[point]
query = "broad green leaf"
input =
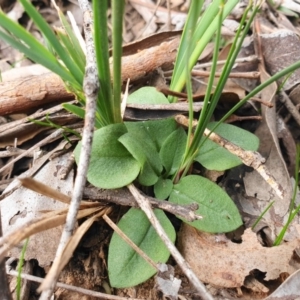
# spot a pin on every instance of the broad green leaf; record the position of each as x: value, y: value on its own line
x: 154, y: 132
x: 214, y: 157
x: 218, y: 210
x: 172, y: 150
x: 163, y: 188
x: 147, y: 95
x: 125, y: 267
x: 146, y: 155
x: 111, y: 165
x: 141, y: 132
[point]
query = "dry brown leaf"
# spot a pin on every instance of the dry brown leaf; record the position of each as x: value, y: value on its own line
x: 24, y: 206
x: 36, y: 248
x: 157, y: 15
x: 289, y: 288
x: 226, y: 264
x: 261, y: 192
x: 50, y: 220
x: 246, y: 51
x: 278, y: 56
x: 23, y: 209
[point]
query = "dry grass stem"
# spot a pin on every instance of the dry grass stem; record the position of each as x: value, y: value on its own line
x: 69, y: 249
x: 129, y: 242
x: 50, y: 138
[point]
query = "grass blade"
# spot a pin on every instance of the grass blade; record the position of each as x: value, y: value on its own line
x: 202, y: 36
x: 185, y: 43
x: 50, y: 36
x: 76, y: 51
x: 102, y: 56
x: 207, y: 107
x: 31, y: 47
x: 235, y: 48
x: 117, y: 15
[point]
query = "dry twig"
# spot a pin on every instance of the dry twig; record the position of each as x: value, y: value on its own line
x: 90, y: 87
x: 290, y: 106
x: 70, y: 287
x: 123, y: 197
x: 50, y: 138
x: 146, y: 207
x: 249, y: 158
x: 129, y: 242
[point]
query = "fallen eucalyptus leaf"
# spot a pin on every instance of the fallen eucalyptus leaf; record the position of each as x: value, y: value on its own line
x: 166, y: 282
x: 289, y: 288
x: 226, y: 264
x: 259, y: 191
x: 24, y: 205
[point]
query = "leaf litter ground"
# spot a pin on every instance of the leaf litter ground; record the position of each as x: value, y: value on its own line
x: 252, y: 271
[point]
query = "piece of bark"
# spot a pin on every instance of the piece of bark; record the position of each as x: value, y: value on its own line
x: 32, y: 92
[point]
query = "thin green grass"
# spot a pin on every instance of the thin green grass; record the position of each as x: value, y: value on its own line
x: 206, y: 27
x: 292, y: 210
x: 19, y: 270
x: 211, y: 100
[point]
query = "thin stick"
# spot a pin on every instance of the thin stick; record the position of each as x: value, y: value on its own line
x: 90, y: 87
x: 146, y: 207
x: 250, y: 58
x: 247, y: 75
x: 220, y: 62
x: 129, y: 242
x: 39, y: 114
x: 249, y: 158
x: 290, y: 106
x: 124, y: 197
x: 52, y: 137
x: 70, y: 287
x: 13, y: 151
